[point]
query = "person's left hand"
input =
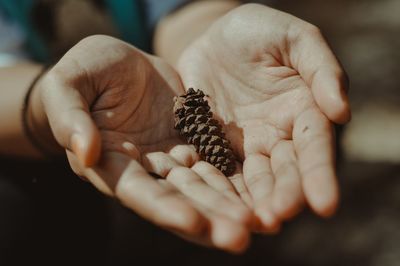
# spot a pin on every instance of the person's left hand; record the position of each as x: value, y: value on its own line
x: 276, y: 86
x: 110, y: 106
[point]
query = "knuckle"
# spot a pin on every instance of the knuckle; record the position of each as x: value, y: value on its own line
x: 312, y: 29
x: 93, y: 39
x: 185, y: 155
x: 249, y: 7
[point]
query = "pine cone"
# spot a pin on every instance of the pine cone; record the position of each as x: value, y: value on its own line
x: 194, y: 121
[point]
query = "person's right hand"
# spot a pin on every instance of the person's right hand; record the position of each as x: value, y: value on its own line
x: 110, y: 106
x: 276, y: 87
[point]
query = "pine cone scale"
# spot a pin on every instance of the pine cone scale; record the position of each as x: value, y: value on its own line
x: 194, y: 121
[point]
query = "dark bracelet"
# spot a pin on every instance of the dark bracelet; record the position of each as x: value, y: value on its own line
x: 43, y: 149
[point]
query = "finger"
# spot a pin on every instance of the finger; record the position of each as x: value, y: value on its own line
x: 159, y: 163
x: 190, y: 184
x: 287, y: 197
x: 70, y: 120
x: 76, y: 166
x: 260, y: 182
x: 229, y: 235
x: 185, y: 155
x: 119, y: 142
x: 222, y: 233
x: 314, y: 60
x: 314, y: 144
x: 216, y: 179
x: 127, y: 180
x: 239, y: 184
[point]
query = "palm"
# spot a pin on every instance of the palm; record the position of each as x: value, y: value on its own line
x: 262, y: 109
x: 139, y: 109
x: 270, y: 116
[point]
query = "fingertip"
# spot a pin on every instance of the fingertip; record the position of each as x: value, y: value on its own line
x: 191, y: 222
x: 337, y: 110
x: 326, y: 209
x: 235, y: 240
x: 240, y: 244
x: 271, y: 230
x: 268, y: 221
x: 330, y: 88
x: 343, y: 116
x: 287, y: 206
x: 324, y: 202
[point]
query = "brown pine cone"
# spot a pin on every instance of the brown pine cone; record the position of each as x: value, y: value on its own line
x: 194, y: 121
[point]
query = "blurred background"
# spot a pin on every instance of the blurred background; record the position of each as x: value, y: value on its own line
x: 365, y: 34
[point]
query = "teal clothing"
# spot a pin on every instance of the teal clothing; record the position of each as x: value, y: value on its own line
x: 134, y: 20
x: 19, y: 11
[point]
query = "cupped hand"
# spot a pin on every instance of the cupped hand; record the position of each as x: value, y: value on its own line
x: 110, y: 106
x: 276, y: 85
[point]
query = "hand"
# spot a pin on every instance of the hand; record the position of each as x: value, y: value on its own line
x: 110, y: 106
x: 275, y: 84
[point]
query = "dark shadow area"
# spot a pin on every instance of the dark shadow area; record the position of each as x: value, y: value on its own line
x: 49, y: 216
x: 365, y: 231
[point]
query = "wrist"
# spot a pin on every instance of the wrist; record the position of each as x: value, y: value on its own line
x: 172, y: 37
x: 38, y: 123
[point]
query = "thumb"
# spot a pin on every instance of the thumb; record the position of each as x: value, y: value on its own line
x: 320, y: 69
x: 69, y: 117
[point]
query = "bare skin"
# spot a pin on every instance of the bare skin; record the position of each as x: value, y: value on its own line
x: 112, y: 111
x: 109, y: 106
x: 275, y: 84
x: 115, y: 130
x: 14, y: 82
